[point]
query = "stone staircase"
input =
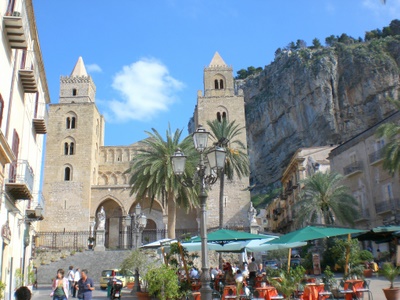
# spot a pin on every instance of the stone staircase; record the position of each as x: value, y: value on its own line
x: 93, y: 261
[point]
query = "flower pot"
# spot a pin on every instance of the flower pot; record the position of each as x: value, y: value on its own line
x: 143, y: 296
x: 368, y: 273
x: 130, y: 285
x: 392, y: 294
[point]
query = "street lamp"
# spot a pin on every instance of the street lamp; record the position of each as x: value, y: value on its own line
x: 206, y: 174
x: 138, y: 222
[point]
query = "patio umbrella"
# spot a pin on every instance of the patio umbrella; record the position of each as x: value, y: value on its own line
x: 158, y: 244
x: 310, y: 233
x: 380, y: 234
x: 226, y: 236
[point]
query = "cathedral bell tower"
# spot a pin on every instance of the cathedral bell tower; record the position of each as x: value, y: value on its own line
x: 221, y: 101
x: 76, y: 131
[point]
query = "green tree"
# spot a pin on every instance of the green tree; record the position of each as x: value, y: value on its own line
x: 316, y: 43
x: 331, y: 40
x: 391, y: 151
x: 151, y: 173
x: 241, y: 74
x: 325, y: 199
x: 226, y: 135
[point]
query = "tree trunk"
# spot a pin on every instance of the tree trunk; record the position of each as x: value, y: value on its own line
x: 171, y: 215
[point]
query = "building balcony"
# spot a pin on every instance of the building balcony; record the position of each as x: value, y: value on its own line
x: 16, y: 29
x: 29, y: 73
x: 363, y: 215
x: 40, y: 119
x: 20, y: 182
x: 353, y: 168
x: 386, y: 206
x: 376, y: 156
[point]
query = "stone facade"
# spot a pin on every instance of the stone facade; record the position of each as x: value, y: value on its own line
x: 280, y: 213
x: 360, y: 161
x: 80, y: 181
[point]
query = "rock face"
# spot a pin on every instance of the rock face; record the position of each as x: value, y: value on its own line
x: 316, y: 97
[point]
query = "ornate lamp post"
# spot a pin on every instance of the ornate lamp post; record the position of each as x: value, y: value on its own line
x: 138, y: 222
x: 206, y: 174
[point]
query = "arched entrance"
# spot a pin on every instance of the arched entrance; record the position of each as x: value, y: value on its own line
x: 113, y: 222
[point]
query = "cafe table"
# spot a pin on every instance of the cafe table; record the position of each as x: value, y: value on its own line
x: 266, y: 292
x: 357, y: 284
x: 312, y: 290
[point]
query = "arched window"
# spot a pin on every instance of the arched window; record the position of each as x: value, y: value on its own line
x: 219, y: 117
x: 224, y: 115
x: 67, y: 174
x: 221, y: 84
x: 68, y: 123
x: 216, y: 84
x: 71, y: 149
x: 73, y: 92
x: 73, y: 122
x: 66, y: 148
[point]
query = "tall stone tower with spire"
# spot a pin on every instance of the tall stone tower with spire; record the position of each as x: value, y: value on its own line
x: 220, y: 100
x: 75, y: 134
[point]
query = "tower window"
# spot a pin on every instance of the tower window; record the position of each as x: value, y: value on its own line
x: 67, y: 174
x: 71, y: 122
x: 69, y: 148
x: 216, y: 84
x: 221, y: 84
x: 224, y: 115
x: 74, y: 92
x: 219, y: 117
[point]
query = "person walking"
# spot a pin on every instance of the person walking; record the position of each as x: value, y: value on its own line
x: 71, y: 275
x: 85, y: 286
x: 23, y: 293
x: 60, y: 286
x: 77, y: 276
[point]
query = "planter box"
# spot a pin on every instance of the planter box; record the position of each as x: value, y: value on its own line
x: 368, y: 273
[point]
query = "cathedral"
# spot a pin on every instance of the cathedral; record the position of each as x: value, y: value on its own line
x: 83, y: 176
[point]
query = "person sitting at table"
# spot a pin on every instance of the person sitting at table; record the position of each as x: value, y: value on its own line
x: 194, y: 273
x: 213, y: 273
x: 239, y: 276
x: 245, y: 270
x: 261, y: 271
x: 228, y: 275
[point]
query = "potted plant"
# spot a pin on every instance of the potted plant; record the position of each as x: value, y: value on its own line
x: 91, y: 241
x: 390, y: 272
x: 366, y: 257
x: 163, y: 282
x: 288, y: 281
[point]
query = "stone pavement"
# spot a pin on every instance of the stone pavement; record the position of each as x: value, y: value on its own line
x: 43, y: 291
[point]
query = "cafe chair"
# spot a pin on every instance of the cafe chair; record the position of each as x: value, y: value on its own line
x: 299, y: 292
x: 277, y: 297
x: 256, y: 296
x: 231, y: 294
x: 365, y: 289
x: 326, y: 293
x: 347, y: 291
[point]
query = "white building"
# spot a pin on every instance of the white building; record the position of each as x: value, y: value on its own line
x: 23, y: 98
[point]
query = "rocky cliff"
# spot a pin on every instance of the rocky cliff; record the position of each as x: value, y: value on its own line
x: 314, y: 97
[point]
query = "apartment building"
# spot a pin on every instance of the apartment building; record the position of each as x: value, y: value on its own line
x: 23, y: 98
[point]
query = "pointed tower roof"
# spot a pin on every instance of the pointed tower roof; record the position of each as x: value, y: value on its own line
x: 217, y: 60
x: 79, y: 69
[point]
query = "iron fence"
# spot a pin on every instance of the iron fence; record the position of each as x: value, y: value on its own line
x: 55, y: 240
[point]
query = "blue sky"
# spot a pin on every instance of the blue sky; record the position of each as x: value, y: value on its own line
x: 147, y: 57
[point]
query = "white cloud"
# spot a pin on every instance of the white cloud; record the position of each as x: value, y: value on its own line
x: 94, y: 68
x: 146, y: 89
x: 391, y: 8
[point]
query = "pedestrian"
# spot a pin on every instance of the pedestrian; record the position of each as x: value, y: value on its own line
x: 85, y: 286
x: 77, y: 276
x: 252, y: 269
x: 60, y: 286
x: 71, y: 275
x: 23, y: 293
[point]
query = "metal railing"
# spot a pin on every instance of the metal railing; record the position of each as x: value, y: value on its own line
x: 388, y: 205
x: 21, y: 172
x: 376, y: 156
x: 352, y: 168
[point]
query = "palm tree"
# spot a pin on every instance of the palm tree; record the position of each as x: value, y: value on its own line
x: 324, y: 198
x: 391, y: 150
x: 152, y: 175
x: 236, y: 163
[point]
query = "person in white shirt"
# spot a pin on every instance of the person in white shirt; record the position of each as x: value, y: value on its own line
x: 77, y: 276
x: 71, y: 275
